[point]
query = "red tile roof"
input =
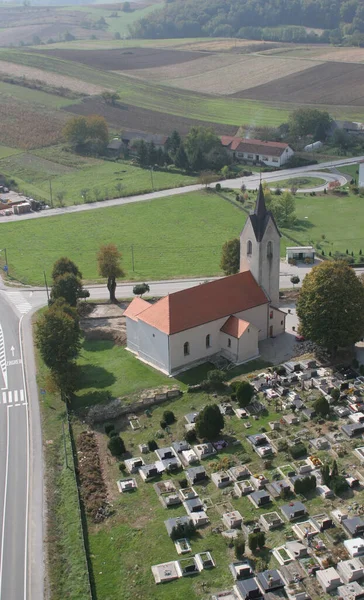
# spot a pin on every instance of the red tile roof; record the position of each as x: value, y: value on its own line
x: 235, y: 327
x: 137, y: 306
x: 253, y: 146
x: 204, y: 303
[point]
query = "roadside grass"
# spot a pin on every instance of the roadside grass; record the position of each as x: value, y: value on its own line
x: 298, y: 182
x: 37, y: 97
x: 352, y: 170
x: 107, y: 370
x: 65, y: 556
x: 72, y: 175
x: 168, y: 237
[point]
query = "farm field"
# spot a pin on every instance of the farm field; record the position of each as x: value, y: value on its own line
x: 77, y: 176
x: 34, y: 97
x: 319, y: 52
x: 183, y: 235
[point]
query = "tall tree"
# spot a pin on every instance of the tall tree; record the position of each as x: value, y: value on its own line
x: 58, y: 336
x: 174, y: 142
x: 75, y: 131
x: 142, y: 153
x: 309, y: 121
x: 181, y: 159
x: 230, y: 258
x: 69, y: 287
x: 209, y: 422
x: 109, y: 259
x: 65, y: 265
x: 331, y: 306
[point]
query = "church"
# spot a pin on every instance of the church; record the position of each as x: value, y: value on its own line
x: 227, y: 317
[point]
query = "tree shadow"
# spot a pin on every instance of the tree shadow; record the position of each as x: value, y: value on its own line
x: 301, y: 225
x: 90, y: 399
x: 92, y: 376
x: 97, y: 345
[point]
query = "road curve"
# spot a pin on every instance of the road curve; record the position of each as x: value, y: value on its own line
x: 251, y: 182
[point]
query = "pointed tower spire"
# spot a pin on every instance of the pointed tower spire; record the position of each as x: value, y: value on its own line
x: 260, y: 208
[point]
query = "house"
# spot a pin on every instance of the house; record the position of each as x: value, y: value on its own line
x: 227, y: 317
x: 195, y: 475
x: 248, y: 589
x: 350, y: 570
x: 329, y: 579
x: 260, y: 498
x: 253, y: 151
x: 130, y: 138
x: 221, y: 479
x: 294, y: 510
x: 299, y: 253
x: 351, y: 591
x: 241, y: 569
x: 354, y: 526
x: 270, y: 581
x: 355, y: 547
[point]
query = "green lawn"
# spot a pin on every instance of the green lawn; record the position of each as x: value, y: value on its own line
x: 298, y: 182
x: 72, y: 174
x: 34, y: 96
x: 350, y: 170
x: 6, y: 151
x: 171, y: 237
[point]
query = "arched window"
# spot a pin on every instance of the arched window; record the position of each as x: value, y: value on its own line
x: 229, y: 343
x: 186, y: 348
x: 269, y: 249
x: 208, y: 341
x: 249, y: 248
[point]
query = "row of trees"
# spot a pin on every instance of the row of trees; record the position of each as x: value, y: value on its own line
x: 89, y: 134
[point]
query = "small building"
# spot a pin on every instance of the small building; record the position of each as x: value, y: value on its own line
x: 299, y: 253
x: 164, y: 453
x: 180, y: 446
x: 270, y: 581
x: 241, y: 569
x: 271, y: 520
x: 296, y: 550
x: 133, y: 465
x: 260, y: 498
x: 221, y: 479
x: 248, y: 589
x: 196, y: 474
x: 243, y: 488
x: 189, y: 457
x: 353, y: 429
x: 128, y: 484
x: 354, y: 526
x: 188, y: 566
x: 239, y: 472
x: 351, y: 591
x: 204, y: 450
x: 193, y: 505
x: 280, y: 486
x: 294, y: 510
x: 329, y: 579
x: 324, y: 491
x: 148, y: 472
x: 204, y: 560
x: 254, y: 151
x: 188, y: 493
x: 233, y: 519
x: 166, y: 572
x: 355, y: 547
x: 313, y: 147
x: 350, y: 570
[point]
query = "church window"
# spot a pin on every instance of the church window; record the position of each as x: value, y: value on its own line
x: 271, y: 314
x: 249, y: 248
x: 269, y: 249
x: 208, y: 341
x: 186, y: 348
x: 229, y: 343
x: 281, y: 322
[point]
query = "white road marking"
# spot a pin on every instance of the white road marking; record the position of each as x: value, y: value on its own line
x: 21, y: 395
x: 20, y: 302
x: 27, y: 493
x: 4, y: 397
x: 14, y: 396
x: 10, y: 397
x: 5, y: 499
x: 3, y: 358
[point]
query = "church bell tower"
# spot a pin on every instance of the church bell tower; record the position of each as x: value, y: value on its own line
x: 260, y: 248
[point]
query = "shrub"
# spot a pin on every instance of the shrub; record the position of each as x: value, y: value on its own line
x: 113, y: 433
x: 108, y: 427
x: 116, y: 445
x: 209, y: 422
x: 163, y: 424
x: 297, y: 450
x: 183, y: 483
x: 256, y: 540
x: 218, y: 187
x: 304, y: 485
x: 244, y: 393
x: 321, y: 406
x: 339, y: 484
x: 335, y: 394
x: 183, y: 530
x: 216, y: 378
x: 239, y: 546
x: 191, y: 436
x: 121, y: 466
x: 168, y: 417
x: 152, y: 445
x: 282, y: 445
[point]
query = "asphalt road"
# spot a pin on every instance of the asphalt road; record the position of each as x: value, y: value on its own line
x: 14, y: 459
x: 251, y: 182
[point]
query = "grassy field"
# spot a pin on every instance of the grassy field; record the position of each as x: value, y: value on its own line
x: 6, y: 151
x: 37, y: 97
x: 170, y: 237
x: 67, y: 573
x: 121, y: 22
x: 73, y: 174
x: 298, y: 182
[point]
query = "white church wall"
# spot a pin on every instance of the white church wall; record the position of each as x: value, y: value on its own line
x: 132, y: 334
x: 270, y: 264
x: 278, y: 321
x: 248, y: 262
x: 196, y: 338
x: 258, y: 316
x: 248, y: 344
x: 153, y: 346
x: 229, y: 346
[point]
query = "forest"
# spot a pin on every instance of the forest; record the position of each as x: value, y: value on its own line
x: 283, y: 20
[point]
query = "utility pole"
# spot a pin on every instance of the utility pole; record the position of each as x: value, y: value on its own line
x: 50, y: 191
x: 46, y: 284
x: 151, y: 176
x: 6, y: 267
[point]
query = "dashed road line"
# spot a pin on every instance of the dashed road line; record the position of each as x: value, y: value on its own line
x: 3, y: 358
x: 20, y: 302
x: 14, y: 398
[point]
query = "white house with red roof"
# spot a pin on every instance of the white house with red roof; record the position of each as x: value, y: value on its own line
x: 274, y: 154
x: 226, y: 317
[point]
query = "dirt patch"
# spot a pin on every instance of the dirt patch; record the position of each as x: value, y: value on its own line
x: 229, y: 44
x: 125, y: 58
x: 93, y: 488
x: 141, y: 119
x: 330, y: 83
x: 76, y: 85
x: 105, y: 322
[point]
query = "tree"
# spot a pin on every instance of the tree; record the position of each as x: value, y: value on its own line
x: 69, y: 287
x: 284, y: 209
x: 239, y: 547
x: 295, y: 279
x: 321, y: 406
x: 206, y: 177
x: 331, y: 306
x: 116, y: 445
x: 181, y: 159
x: 108, y: 259
x: 75, y: 132
x: 325, y: 474
x: 230, y: 258
x: 98, y: 133
x: 58, y: 336
x: 152, y: 154
x: 209, y: 422
x: 140, y: 289
x: 253, y: 542
x: 174, y: 142
x: 335, y: 394
x: 168, y: 417
x: 309, y: 121
x: 334, y: 470
x: 65, y: 265
x: 110, y: 97
x: 142, y: 153
x: 201, y: 138
x: 244, y: 393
